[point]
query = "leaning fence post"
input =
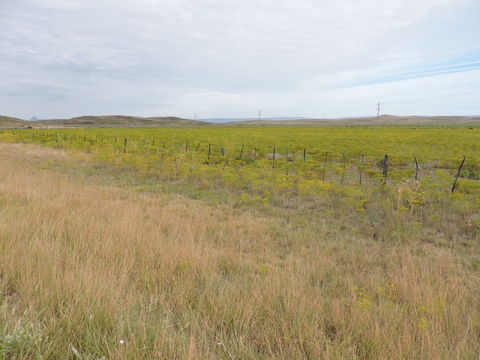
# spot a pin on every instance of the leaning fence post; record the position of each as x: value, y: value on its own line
x: 241, y: 152
x: 209, y: 152
x: 457, y: 176
x: 385, y: 169
x: 416, y: 166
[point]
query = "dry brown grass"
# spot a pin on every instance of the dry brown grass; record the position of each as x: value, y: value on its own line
x: 85, y: 266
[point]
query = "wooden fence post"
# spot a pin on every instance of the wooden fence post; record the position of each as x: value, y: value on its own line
x: 273, y: 159
x: 385, y: 169
x: 458, y: 175
x: 416, y: 166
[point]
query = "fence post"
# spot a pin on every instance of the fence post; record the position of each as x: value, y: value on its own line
x: 416, y: 166
x: 273, y: 159
x: 344, y: 168
x: 458, y: 174
x: 385, y: 168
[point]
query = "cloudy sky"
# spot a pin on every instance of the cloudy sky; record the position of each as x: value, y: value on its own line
x: 226, y: 58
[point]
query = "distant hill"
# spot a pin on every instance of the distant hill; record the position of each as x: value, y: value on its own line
x: 117, y: 121
x: 7, y: 122
x: 228, y: 120
x: 366, y: 121
x: 123, y: 121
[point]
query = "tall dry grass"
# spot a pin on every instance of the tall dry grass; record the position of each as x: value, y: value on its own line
x: 90, y: 271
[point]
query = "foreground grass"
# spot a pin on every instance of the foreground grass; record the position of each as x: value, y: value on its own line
x: 91, y: 271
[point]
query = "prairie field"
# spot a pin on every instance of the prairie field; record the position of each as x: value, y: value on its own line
x: 240, y: 243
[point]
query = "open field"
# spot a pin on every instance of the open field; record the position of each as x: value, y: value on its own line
x: 265, y: 164
x: 229, y: 243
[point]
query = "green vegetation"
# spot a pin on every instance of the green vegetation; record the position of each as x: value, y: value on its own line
x: 301, y: 257
x: 301, y: 169
x: 265, y: 162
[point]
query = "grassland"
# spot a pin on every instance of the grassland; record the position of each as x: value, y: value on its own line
x: 155, y: 249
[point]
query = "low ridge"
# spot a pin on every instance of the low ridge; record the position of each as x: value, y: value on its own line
x: 106, y: 121
x: 125, y: 121
x: 7, y: 122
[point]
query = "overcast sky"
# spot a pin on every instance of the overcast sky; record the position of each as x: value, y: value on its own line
x: 226, y: 58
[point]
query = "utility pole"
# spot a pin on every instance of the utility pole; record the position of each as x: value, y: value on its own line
x: 259, y: 115
x: 378, y: 111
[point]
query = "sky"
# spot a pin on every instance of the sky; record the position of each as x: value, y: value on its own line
x: 225, y: 58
